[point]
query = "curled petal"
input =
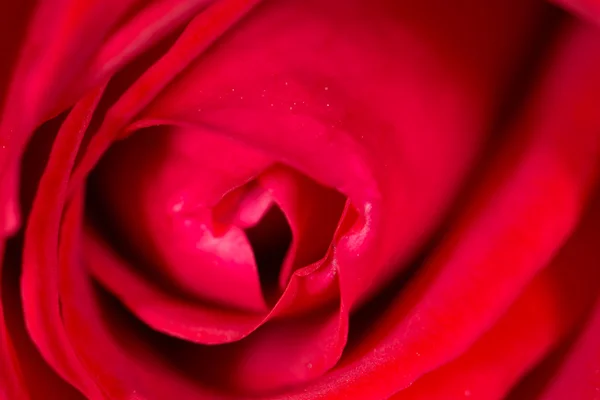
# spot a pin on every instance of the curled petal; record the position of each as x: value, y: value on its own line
x: 125, y: 359
x: 39, y: 282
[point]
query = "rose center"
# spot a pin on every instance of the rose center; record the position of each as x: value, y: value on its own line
x: 211, y: 218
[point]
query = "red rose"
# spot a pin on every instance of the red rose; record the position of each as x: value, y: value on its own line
x: 299, y: 199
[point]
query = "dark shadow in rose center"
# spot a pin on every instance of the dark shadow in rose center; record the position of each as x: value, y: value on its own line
x: 270, y: 239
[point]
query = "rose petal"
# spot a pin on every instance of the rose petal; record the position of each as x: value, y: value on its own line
x: 41, y: 74
x: 280, y: 354
x: 314, y: 213
x: 13, y: 23
x: 529, y: 203
x: 126, y: 360
x: 159, y: 188
x: 62, y: 40
x: 551, y: 306
x: 38, y: 378
x: 195, y: 321
x: 56, y: 290
x: 13, y: 17
x: 161, y: 310
x: 11, y: 380
x: 204, y: 29
x: 39, y: 283
x: 144, y: 29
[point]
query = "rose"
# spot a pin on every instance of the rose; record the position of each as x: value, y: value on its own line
x: 510, y: 268
x: 429, y: 170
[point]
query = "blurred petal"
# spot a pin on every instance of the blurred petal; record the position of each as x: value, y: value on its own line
x: 579, y: 377
x: 13, y: 24
x: 551, y: 306
x: 199, y: 34
x: 38, y: 377
x: 62, y: 56
x: 529, y: 203
x: 69, y: 325
x: 62, y: 36
x: 11, y: 381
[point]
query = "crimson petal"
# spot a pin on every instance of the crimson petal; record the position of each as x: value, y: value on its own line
x: 529, y: 203
x: 551, y: 306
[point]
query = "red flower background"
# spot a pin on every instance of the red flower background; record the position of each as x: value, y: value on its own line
x: 300, y: 199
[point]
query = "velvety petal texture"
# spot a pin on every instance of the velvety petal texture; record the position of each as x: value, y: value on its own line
x: 299, y: 199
